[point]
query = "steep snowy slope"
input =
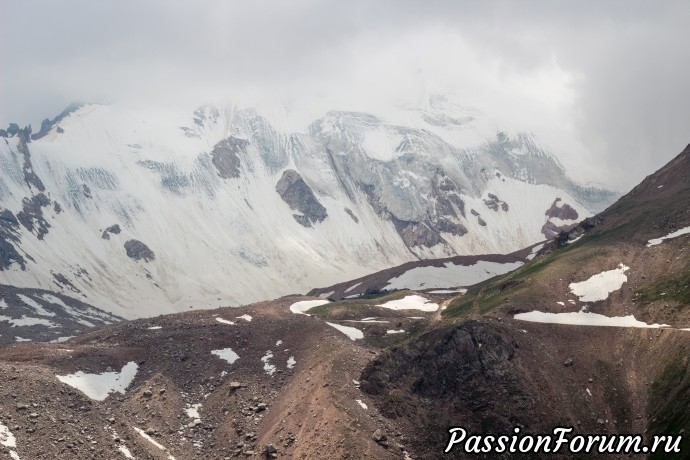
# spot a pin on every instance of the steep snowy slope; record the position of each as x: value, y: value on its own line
x: 144, y: 212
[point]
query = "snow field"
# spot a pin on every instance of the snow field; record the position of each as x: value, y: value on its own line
x: 599, y: 286
x: 301, y: 307
x: 410, y: 302
x: 100, y: 386
x: 677, y: 233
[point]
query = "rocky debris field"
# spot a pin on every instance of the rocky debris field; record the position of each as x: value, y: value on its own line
x: 251, y: 382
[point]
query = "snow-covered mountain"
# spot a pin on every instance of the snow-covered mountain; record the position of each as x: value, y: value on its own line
x: 142, y: 212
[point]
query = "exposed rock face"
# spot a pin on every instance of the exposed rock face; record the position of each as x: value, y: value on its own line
x: 450, y: 361
x: 114, y: 229
x: 9, y: 226
x: 549, y: 229
x: 29, y: 176
x: 299, y: 196
x: 577, y: 231
x: 563, y: 211
x: 61, y: 281
x: 463, y: 374
x: 31, y: 215
x: 351, y: 214
x: 493, y: 202
x: 225, y: 156
x: 416, y: 234
x: 47, y: 124
x: 448, y: 206
x: 136, y: 250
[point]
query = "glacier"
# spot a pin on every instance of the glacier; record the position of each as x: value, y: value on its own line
x: 144, y: 212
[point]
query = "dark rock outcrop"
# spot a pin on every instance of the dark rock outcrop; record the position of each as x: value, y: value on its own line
x: 564, y: 211
x: 225, y: 156
x: 299, y: 196
x: 493, y: 202
x: 31, y: 215
x: 577, y: 231
x: 351, y: 214
x: 461, y: 375
x: 114, y: 229
x: 9, y: 235
x: 47, y: 124
x: 136, y: 250
x: 30, y: 176
x: 447, y: 207
x: 449, y: 361
x: 62, y: 282
x: 418, y: 234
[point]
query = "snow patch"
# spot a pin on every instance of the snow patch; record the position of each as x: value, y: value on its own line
x: 192, y: 412
x: 351, y: 332
x: 245, y: 317
x: 448, y: 291
x: 361, y: 404
x: 352, y: 287
x: 574, y: 240
x: 393, y: 331
x: 291, y: 362
x: 125, y: 452
x: 28, y: 321
x: 677, y: 233
x: 268, y: 367
x: 227, y: 354
x: 225, y: 321
x: 62, y: 339
x: 534, y: 251
x: 99, y: 386
x: 450, y: 275
x: 155, y: 328
x: 366, y: 321
x: 583, y: 318
x: 8, y: 440
x: 305, y: 305
x: 143, y: 434
x: 35, y: 305
x: 599, y: 286
x: 410, y: 302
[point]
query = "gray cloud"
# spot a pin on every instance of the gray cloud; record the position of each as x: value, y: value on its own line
x: 616, y: 72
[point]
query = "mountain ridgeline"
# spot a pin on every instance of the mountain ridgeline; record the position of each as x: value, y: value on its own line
x: 227, y: 206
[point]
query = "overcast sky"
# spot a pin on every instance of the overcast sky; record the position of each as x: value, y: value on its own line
x: 616, y: 72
